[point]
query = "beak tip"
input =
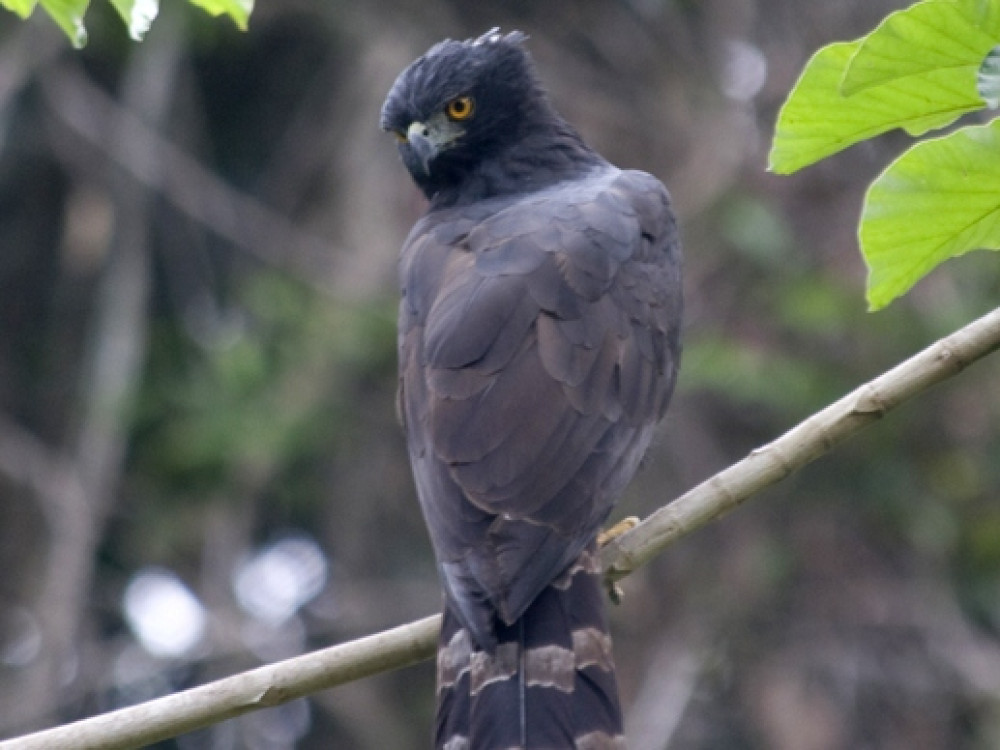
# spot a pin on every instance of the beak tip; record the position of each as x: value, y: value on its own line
x: 421, y: 147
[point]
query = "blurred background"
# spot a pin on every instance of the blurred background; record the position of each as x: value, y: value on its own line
x: 200, y: 465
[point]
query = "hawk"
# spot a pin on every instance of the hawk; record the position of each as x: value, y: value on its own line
x: 538, y: 348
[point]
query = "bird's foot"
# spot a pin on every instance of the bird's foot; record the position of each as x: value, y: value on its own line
x: 614, y: 591
x: 607, y: 536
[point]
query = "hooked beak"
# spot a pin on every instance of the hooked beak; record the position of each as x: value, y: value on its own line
x: 422, y: 148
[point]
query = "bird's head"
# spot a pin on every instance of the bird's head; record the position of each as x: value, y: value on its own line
x: 462, y: 103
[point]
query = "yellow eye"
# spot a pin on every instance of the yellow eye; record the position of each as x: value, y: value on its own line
x: 460, y: 108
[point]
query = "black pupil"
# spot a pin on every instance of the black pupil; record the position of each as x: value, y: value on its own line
x: 458, y: 107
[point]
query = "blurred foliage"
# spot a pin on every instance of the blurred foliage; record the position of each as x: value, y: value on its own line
x: 854, y: 605
x: 262, y: 383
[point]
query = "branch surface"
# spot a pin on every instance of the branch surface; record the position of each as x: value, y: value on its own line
x: 408, y: 644
x: 270, y: 685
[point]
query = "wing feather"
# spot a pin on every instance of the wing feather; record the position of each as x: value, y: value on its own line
x: 538, y: 347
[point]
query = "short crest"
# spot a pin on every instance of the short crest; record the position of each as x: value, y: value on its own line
x: 449, y: 69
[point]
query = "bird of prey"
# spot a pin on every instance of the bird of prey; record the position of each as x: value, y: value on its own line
x: 538, y: 348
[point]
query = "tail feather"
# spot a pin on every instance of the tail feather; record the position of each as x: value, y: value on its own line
x: 550, y: 682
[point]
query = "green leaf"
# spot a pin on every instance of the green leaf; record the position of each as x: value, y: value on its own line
x: 238, y: 10
x: 68, y: 15
x: 938, y: 200
x: 930, y: 36
x: 23, y: 8
x: 138, y: 15
x: 817, y: 120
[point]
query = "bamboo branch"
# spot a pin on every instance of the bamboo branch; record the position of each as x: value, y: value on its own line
x: 408, y: 644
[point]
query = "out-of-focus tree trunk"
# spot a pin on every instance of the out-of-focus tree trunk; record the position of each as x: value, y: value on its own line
x: 77, y: 506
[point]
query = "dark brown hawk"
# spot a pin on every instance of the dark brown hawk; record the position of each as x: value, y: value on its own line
x: 538, y: 348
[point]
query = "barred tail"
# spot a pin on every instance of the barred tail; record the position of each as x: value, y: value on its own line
x: 549, y: 685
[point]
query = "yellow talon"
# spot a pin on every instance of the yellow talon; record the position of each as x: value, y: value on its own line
x: 609, y: 535
x: 606, y: 537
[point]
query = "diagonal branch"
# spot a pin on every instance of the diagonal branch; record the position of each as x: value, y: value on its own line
x: 271, y: 685
x: 801, y: 445
x: 408, y: 644
x: 161, y: 166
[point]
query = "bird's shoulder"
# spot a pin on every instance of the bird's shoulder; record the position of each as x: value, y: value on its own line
x: 602, y: 199
x: 601, y: 218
